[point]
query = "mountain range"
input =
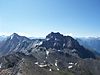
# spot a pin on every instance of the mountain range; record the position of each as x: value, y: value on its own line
x: 92, y: 43
x: 55, y: 55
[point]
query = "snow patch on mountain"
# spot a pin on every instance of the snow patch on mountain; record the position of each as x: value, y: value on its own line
x: 47, y: 52
x: 0, y: 65
x: 71, y: 63
x: 50, y: 69
x: 70, y: 67
x: 55, y: 62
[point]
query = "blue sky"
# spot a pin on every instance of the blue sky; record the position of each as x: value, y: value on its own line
x: 39, y: 17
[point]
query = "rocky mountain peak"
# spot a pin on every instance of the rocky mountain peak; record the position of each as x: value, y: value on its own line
x: 59, y: 41
x: 54, y: 35
x: 14, y: 35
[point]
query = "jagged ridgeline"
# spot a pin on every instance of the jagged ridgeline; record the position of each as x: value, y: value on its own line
x: 55, y: 55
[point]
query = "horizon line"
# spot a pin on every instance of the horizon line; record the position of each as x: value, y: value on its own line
x: 34, y: 36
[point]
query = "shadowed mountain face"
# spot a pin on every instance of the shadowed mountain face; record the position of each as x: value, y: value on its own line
x: 60, y: 42
x: 55, y: 55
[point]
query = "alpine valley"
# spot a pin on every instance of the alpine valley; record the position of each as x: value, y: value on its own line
x: 55, y: 55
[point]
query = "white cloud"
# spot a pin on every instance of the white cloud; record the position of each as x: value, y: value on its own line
x: 69, y: 34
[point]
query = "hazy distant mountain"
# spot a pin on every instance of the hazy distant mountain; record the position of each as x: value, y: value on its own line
x: 3, y: 37
x: 91, y: 43
x: 55, y: 55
